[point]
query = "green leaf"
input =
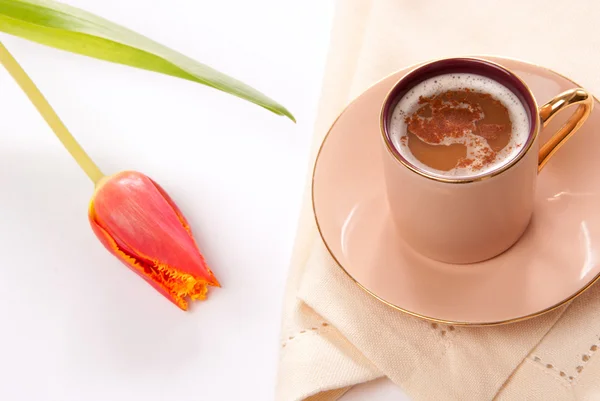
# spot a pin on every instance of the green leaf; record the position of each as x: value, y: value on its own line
x: 69, y: 28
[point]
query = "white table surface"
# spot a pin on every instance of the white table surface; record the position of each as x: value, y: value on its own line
x: 76, y: 324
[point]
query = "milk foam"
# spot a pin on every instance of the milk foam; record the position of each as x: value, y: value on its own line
x: 447, y: 82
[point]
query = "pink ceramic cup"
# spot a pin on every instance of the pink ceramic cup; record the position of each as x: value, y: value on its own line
x: 473, y: 219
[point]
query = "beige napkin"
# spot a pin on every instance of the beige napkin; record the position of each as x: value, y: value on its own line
x: 334, y: 335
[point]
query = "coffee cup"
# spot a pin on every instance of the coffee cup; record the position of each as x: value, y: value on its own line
x: 473, y: 213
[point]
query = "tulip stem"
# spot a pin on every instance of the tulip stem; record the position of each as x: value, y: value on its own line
x: 48, y: 113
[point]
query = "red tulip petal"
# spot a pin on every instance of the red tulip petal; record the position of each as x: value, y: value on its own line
x: 187, y: 227
x: 175, y: 208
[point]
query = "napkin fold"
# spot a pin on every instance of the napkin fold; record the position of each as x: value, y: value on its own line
x: 334, y: 335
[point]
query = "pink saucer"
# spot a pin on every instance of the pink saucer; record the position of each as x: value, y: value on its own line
x: 556, y: 259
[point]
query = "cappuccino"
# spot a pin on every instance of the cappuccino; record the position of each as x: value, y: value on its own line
x: 459, y: 125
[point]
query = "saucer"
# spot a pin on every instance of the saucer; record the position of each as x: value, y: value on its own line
x: 557, y: 258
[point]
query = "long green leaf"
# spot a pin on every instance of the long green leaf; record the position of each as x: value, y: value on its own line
x: 69, y: 28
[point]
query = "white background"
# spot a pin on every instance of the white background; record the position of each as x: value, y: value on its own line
x: 78, y: 325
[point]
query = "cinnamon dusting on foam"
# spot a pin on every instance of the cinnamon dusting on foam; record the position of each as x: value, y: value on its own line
x: 459, y: 125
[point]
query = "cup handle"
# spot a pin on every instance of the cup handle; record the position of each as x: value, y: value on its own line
x: 549, y: 110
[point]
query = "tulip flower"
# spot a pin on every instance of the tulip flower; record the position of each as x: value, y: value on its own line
x: 138, y: 222
x: 132, y: 216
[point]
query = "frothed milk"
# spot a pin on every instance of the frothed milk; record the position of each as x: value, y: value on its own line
x: 459, y: 125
